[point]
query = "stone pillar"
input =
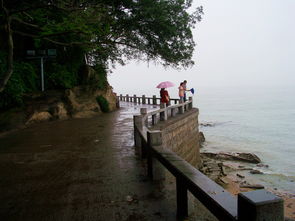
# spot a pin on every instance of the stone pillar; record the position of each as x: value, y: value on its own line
x: 134, y: 98
x: 127, y: 98
x: 155, y: 169
x: 154, y: 119
x: 181, y: 109
x: 181, y: 199
x: 143, y: 99
x: 118, y: 102
x: 260, y: 205
x: 190, y: 106
x: 163, y: 115
x: 143, y: 112
x: 138, y: 125
x: 172, y: 112
x: 154, y: 100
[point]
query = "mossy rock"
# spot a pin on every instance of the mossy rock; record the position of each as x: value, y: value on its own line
x: 103, y: 103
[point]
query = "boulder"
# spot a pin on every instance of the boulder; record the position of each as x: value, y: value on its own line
x: 246, y: 157
x: 256, y: 172
x: 39, y: 117
x: 201, y: 137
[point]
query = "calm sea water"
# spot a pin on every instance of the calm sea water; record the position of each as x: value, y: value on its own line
x: 253, y: 119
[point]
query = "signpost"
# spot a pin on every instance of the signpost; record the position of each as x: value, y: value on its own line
x: 41, y: 54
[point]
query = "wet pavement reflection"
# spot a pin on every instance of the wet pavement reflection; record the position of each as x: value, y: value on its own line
x: 80, y: 169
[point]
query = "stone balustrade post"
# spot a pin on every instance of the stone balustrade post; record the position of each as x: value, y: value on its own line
x: 134, y: 98
x: 154, y: 119
x: 260, y: 205
x: 137, y: 125
x: 155, y: 169
x: 143, y: 99
x: 181, y: 109
x: 154, y: 100
x: 190, y: 106
x: 163, y: 114
x: 181, y: 199
x: 127, y: 98
x: 143, y: 112
x: 172, y: 112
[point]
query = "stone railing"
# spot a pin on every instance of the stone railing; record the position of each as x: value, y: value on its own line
x: 256, y: 205
x: 154, y: 100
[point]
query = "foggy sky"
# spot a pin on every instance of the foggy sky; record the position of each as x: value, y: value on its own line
x: 239, y: 43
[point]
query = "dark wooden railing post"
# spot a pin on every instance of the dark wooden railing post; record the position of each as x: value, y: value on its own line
x: 181, y: 198
x: 175, y: 101
x: 149, y: 100
x: 121, y: 97
x: 154, y: 100
x: 127, y: 98
x: 260, y: 205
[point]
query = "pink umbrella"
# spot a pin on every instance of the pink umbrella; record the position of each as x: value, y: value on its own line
x: 165, y: 84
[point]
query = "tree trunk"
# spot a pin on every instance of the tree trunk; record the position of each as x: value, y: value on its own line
x: 9, y: 70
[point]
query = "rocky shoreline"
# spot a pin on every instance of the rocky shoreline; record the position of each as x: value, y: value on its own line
x: 232, y: 171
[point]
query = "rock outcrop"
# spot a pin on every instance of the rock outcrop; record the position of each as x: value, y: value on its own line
x: 78, y: 102
x: 246, y: 157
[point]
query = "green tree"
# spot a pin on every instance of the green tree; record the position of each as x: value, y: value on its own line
x: 106, y: 31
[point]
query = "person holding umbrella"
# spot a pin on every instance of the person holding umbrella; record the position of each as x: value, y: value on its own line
x: 164, y: 96
x: 164, y: 93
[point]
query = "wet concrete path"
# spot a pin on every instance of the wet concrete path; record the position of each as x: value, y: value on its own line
x: 79, y: 169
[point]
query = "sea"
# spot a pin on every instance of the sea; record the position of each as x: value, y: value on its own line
x: 252, y: 119
x: 259, y: 120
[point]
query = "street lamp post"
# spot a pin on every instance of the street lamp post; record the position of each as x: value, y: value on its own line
x: 41, y: 54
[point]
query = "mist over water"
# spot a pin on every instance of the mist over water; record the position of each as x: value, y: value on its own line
x: 244, y: 81
x: 259, y: 120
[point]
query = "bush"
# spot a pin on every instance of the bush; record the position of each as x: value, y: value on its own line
x: 102, y: 76
x: 22, y: 80
x: 59, y: 77
x: 103, y: 103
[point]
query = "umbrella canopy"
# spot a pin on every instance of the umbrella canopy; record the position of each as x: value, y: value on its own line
x: 165, y: 84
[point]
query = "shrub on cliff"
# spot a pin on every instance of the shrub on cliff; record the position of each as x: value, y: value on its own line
x: 23, y: 80
x: 103, y: 103
x: 59, y: 77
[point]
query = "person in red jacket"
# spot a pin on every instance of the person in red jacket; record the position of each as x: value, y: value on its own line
x: 164, y: 96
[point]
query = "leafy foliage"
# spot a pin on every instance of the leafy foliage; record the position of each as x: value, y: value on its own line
x: 97, y: 32
x: 103, y: 103
x: 24, y: 80
x: 59, y: 77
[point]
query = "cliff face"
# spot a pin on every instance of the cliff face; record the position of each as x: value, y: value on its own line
x: 78, y: 102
